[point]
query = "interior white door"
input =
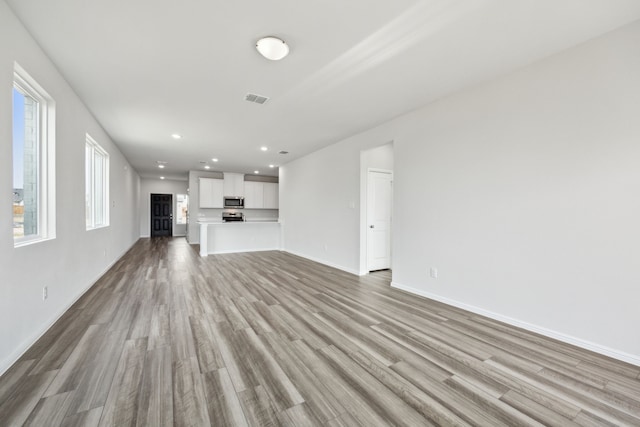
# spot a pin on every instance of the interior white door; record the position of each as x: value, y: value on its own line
x: 379, y: 193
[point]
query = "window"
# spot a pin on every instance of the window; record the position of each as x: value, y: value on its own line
x: 96, y: 185
x: 182, y: 207
x: 33, y: 161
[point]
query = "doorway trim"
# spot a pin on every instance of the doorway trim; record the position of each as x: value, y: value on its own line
x: 364, y: 177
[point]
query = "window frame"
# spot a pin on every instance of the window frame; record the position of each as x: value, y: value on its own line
x: 45, y: 180
x: 91, y: 222
x: 179, y: 204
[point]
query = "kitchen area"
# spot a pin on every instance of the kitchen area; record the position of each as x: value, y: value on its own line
x: 233, y: 212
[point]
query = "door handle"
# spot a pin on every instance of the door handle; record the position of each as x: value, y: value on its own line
x: 372, y: 226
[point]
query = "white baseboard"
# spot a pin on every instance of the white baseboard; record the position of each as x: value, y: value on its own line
x: 327, y: 263
x: 17, y: 354
x: 147, y: 236
x: 235, y: 251
x: 578, y: 342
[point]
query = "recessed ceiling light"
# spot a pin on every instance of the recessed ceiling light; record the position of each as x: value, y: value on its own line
x: 214, y: 160
x: 161, y: 166
x: 162, y: 177
x: 207, y: 167
x: 264, y: 148
x: 256, y: 172
x: 176, y: 136
x: 272, y: 166
x: 272, y: 48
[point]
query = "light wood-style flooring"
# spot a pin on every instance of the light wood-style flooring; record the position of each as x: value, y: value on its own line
x: 270, y: 339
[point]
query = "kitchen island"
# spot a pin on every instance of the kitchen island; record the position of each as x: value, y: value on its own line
x: 218, y: 237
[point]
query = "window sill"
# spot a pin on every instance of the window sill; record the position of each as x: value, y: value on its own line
x: 97, y: 227
x: 28, y: 242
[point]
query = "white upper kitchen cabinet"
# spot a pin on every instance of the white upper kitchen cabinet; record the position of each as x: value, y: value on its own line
x: 253, y: 195
x: 260, y: 195
x: 270, y: 195
x: 211, y: 193
x: 233, y: 184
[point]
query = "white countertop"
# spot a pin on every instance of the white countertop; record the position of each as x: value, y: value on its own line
x: 249, y: 221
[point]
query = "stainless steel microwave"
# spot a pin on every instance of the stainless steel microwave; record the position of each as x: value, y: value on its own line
x: 234, y: 202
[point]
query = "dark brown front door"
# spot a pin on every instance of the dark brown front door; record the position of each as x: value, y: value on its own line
x: 161, y: 215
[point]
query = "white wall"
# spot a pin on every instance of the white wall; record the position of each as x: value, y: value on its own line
x: 378, y: 158
x: 71, y: 262
x: 150, y: 186
x: 320, y: 201
x: 522, y: 192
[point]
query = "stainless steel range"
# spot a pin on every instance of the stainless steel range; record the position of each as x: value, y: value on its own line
x: 232, y: 217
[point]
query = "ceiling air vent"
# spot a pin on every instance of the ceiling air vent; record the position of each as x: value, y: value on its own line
x: 283, y: 152
x: 258, y: 99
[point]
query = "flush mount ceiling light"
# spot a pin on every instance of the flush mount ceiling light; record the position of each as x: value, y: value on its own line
x: 176, y: 136
x: 272, y: 48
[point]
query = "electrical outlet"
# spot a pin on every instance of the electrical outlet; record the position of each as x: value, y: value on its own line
x: 433, y: 272
x: 326, y: 248
x: 45, y: 293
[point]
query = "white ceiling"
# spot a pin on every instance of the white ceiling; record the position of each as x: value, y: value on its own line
x: 150, y: 68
